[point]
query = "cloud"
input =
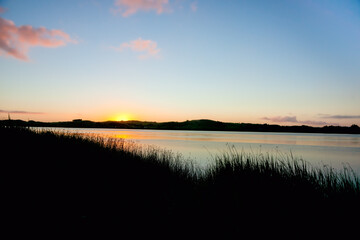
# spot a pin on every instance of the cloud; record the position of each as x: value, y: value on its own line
x: 281, y: 119
x: 130, y: 7
x: 340, y: 116
x: 15, y: 41
x: 193, y: 6
x: 293, y: 119
x: 19, y: 112
x: 147, y: 47
x: 2, y: 10
x: 319, y: 123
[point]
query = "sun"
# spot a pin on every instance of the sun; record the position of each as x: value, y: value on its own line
x: 122, y: 117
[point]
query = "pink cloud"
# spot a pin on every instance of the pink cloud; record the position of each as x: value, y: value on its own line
x: 2, y: 10
x: 15, y: 41
x: 129, y: 7
x: 148, y: 47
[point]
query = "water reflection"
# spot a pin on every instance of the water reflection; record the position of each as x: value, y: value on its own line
x: 236, y: 137
x: 319, y: 149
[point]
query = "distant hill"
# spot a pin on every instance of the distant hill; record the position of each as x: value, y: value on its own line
x: 202, y: 124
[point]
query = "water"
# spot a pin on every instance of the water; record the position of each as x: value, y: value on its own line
x: 318, y: 149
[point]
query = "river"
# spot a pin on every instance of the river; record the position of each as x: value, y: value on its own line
x: 317, y: 149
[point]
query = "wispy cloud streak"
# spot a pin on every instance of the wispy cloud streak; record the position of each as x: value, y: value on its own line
x: 340, y: 116
x: 293, y: 119
x: 130, y: 7
x: 19, y: 112
x: 281, y: 119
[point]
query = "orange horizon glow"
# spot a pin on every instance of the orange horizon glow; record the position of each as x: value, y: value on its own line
x: 127, y: 115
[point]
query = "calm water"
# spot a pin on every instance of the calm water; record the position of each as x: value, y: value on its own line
x: 318, y: 149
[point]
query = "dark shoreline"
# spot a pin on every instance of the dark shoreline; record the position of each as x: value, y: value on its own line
x: 66, y: 183
x: 194, y: 125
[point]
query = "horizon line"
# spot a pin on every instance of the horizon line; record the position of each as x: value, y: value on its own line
x: 201, y: 119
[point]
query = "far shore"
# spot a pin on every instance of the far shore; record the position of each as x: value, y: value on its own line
x: 196, y: 125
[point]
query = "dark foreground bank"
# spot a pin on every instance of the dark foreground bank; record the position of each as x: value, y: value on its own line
x: 65, y: 183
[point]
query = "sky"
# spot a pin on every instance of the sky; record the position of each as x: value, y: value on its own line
x: 287, y: 62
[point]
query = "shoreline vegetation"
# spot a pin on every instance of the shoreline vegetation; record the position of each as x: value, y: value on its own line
x: 202, y: 124
x: 63, y: 182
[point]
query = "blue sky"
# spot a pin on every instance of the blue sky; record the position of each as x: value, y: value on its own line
x: 285, y: 62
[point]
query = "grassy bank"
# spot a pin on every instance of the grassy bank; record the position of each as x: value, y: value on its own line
x: 66, y: 182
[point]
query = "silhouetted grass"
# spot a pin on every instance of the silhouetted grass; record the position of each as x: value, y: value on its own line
x: 295, y: 172
x: 66, y: 182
